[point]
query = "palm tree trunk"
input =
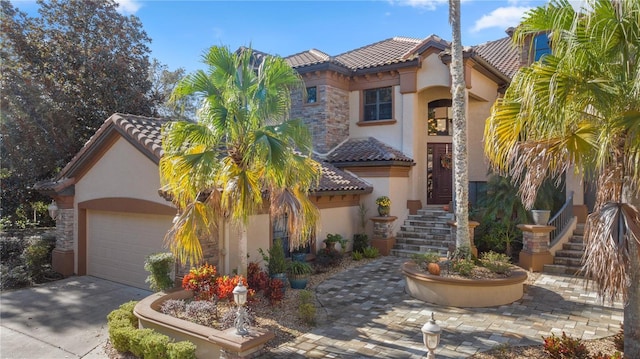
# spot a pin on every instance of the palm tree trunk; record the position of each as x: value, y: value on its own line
x: 460, y: 168
x: 242, y: 251
x: 632, y: 307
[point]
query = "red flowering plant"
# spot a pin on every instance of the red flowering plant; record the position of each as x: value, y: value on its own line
x: 201, y: 280
x: 207, y: 285
x: 225, y: 286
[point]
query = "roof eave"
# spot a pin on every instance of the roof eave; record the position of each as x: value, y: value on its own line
x: 373, y: 163
x: 387, y: 67
x: 342, y: 192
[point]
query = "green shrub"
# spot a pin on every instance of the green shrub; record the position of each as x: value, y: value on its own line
x: 120, y: 314
x: 356, y: 256
x: 422, y: 259
x: 136, y: 341
x: 38, y: 258
x: 155, y: 346
x: 11, y: 249
x: 496, y: 262
x: 14, y: 276
x: 464, y: 267
x: 159, y: 265
x: 181, y: 350
x: 129, y: 306
x: 120, y: 332
x: 360, y: 242
x: 371, y: 252
x: 305, y: 296
x: 275, y: 258
x: 307, y: 313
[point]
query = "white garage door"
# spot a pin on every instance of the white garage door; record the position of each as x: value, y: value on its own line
x: 118, y: 243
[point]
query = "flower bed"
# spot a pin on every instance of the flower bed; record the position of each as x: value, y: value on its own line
x: 210, y: 342
x: 463, y: 292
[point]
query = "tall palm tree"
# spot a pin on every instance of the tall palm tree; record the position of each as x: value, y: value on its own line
x: 241, y: 153
x: 580, y: 106
x: 459, y: 103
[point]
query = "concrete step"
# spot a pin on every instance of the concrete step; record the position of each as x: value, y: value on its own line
x: 420, y: 248
x: 430, y: 230
x: 403, y: 253
x: 579, y: 229
x: 572, y: 262
x: 425, y: 235
x: 561, y: 269
x: 421, y: 241
x: 576, y: 239
x: 573, y: 246
x: 569, y: 253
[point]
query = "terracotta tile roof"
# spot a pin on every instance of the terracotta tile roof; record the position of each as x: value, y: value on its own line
x: 335, y: 180
x: 502, y: 54
x: 145, y: 134
x: 366, y: 149
x: 307, y: 58
x: 385, y: 52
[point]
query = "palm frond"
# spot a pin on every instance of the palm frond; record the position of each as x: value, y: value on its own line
x: 607, y: 235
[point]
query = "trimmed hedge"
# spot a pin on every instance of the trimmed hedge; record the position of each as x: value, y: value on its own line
x: 143, y: 343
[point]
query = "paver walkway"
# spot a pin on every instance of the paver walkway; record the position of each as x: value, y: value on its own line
x: 369, y: 315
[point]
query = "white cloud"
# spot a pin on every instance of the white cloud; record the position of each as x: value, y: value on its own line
x: 128, y: 7
x: 502, y: 17
x: 423, y: 4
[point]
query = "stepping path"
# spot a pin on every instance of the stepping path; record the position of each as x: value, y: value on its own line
x: 369, y: 315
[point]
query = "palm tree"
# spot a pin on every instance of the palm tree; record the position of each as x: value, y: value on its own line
x: 460, y: 168
x: 242, y: 152
x: 580, y: 106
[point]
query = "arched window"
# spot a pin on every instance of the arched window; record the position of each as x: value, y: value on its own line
x: 540, y: 46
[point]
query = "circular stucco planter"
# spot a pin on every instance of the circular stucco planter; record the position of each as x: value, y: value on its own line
x: 456, y: 292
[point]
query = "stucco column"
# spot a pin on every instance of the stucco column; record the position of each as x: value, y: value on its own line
x: 472, y: 230
x: 535, y: 247
x: 62, y: 257
x: 383, y: 238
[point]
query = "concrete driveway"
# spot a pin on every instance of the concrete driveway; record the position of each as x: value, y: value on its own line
x: 62, y: 319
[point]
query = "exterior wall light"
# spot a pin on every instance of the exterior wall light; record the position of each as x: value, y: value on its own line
x: 54, y: 212
x: 431, y: 336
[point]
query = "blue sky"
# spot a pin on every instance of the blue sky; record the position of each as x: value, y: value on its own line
x: 181, y: 31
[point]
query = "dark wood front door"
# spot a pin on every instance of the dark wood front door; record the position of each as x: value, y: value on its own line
x: 439, y: 171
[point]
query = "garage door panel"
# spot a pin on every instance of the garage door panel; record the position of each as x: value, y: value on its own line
x: 118, y: 243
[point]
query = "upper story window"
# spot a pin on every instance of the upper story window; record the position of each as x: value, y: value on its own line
x: 378, y: 104
x: 312, y: 93
x: 540, y: 46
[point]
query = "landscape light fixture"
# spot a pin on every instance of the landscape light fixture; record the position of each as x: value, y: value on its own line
x: 240, y: 298
x: 431, y: 336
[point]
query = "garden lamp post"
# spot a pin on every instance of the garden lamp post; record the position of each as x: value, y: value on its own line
x: 240, y: 297
x: 431, y: 336
x: 53, y: 210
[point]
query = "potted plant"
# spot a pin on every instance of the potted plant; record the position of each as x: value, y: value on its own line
x: 299, y: 273
x: 332, y: 239
x: 299, y: 254
x: 276, y: 262
x: 384, y: 205
x: 540, y: 216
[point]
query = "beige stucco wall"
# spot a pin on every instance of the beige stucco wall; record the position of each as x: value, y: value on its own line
x: 123, y: 171
x: 341, y: 220
x: 409, y: 133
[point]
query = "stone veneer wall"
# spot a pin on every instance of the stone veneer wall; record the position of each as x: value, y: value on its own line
x: 327, y: 119
x: 64, y: 229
